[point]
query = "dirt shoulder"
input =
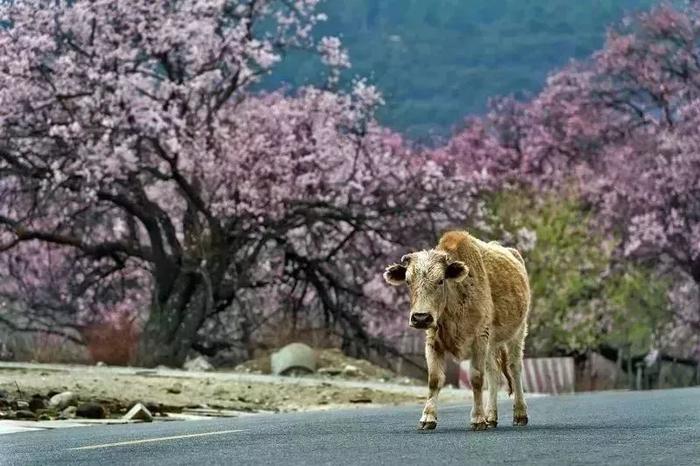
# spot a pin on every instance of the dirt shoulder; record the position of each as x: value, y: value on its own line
x: 169, y: 391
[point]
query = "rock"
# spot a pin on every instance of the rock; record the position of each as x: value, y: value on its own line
x: 62, y: 400
x: 200, y: 363
x: 139, y: 412
x: 68, y: 413
x: 296, y: 357
x: 3, y: 394
x: 24, y: 414
x: 176, y: 388
x: 37, y: 402
x: 228, y: 357
x: 21, y: 404
x: 330, y: 371
x: 91, y: 411
x: 351, y: 371
x: 361, y: 399
x: 153, y: 407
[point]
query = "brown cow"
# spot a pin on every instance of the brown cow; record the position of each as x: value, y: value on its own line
x: 470, y: 297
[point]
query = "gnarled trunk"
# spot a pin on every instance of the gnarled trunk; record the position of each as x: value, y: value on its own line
x: 174, y: 320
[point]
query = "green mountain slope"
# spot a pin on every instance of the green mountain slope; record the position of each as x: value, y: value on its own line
x: 439, y: 60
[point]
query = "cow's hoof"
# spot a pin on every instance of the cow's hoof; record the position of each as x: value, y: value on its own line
x: 476, y: 426
x: 520, y: 420
x: 427, y: 425
x: 491, y: 424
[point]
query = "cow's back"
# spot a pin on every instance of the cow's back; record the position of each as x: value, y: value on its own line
x: 510, y: 288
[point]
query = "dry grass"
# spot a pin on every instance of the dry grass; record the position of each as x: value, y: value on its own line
x: 46, y: 348
x: 113, y: 343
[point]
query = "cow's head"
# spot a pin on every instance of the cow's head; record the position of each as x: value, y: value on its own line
x: 428, y: 274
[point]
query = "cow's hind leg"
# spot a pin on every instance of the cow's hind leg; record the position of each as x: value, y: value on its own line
x: 515, y: 365
x: 493, y: 380
x: 436, y: 379
x: 480, y: 349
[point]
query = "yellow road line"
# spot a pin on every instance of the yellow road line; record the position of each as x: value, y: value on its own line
x: 159, y: 439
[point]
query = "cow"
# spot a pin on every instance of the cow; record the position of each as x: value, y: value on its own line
x: 470, y: 297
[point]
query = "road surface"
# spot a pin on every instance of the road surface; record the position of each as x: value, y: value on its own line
x: 626, y: 428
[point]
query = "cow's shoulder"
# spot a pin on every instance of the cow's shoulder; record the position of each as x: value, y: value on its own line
x: 453, y: 241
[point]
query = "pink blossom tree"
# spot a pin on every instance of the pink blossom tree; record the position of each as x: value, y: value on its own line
x: 621, y: 129
x: 634, y: 114
x: 132, y: 147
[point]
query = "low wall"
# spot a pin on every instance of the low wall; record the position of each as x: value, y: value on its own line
x: 540, y: 375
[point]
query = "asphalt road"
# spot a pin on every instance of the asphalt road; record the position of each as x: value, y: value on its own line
x: 633, y: 428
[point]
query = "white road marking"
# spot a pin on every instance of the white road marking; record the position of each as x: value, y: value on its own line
x: 159, y: 439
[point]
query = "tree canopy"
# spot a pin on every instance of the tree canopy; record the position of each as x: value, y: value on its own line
x: 141, y: 171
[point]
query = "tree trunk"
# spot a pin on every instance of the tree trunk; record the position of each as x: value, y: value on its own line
x: 173, y: 323
x: 630, y: 369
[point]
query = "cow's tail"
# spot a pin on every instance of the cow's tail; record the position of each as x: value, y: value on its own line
x: 503, y: 363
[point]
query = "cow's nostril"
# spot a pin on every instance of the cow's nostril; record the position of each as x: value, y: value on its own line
x: 422, y: 318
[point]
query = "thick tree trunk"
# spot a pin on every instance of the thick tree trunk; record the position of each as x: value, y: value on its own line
x: 173, y: 323
x: 695, y: 271
x: 158, y: 345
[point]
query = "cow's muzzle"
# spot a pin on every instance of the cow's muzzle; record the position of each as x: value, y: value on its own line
x: 421, y: 320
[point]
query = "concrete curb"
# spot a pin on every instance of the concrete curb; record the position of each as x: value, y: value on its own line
x: 13, y: 426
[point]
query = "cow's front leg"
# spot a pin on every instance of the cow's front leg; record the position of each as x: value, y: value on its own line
x: 435, y: 358
x: 479, y: 353
x: 493, y: 378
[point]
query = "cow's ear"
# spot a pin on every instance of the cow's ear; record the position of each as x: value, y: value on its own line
x: 395, y: 274
x: 456, y: 271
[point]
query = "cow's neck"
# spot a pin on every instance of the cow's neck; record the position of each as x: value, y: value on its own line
x: 462, y: 315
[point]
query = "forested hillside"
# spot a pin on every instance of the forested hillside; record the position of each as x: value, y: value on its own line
x: 437, y: 61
